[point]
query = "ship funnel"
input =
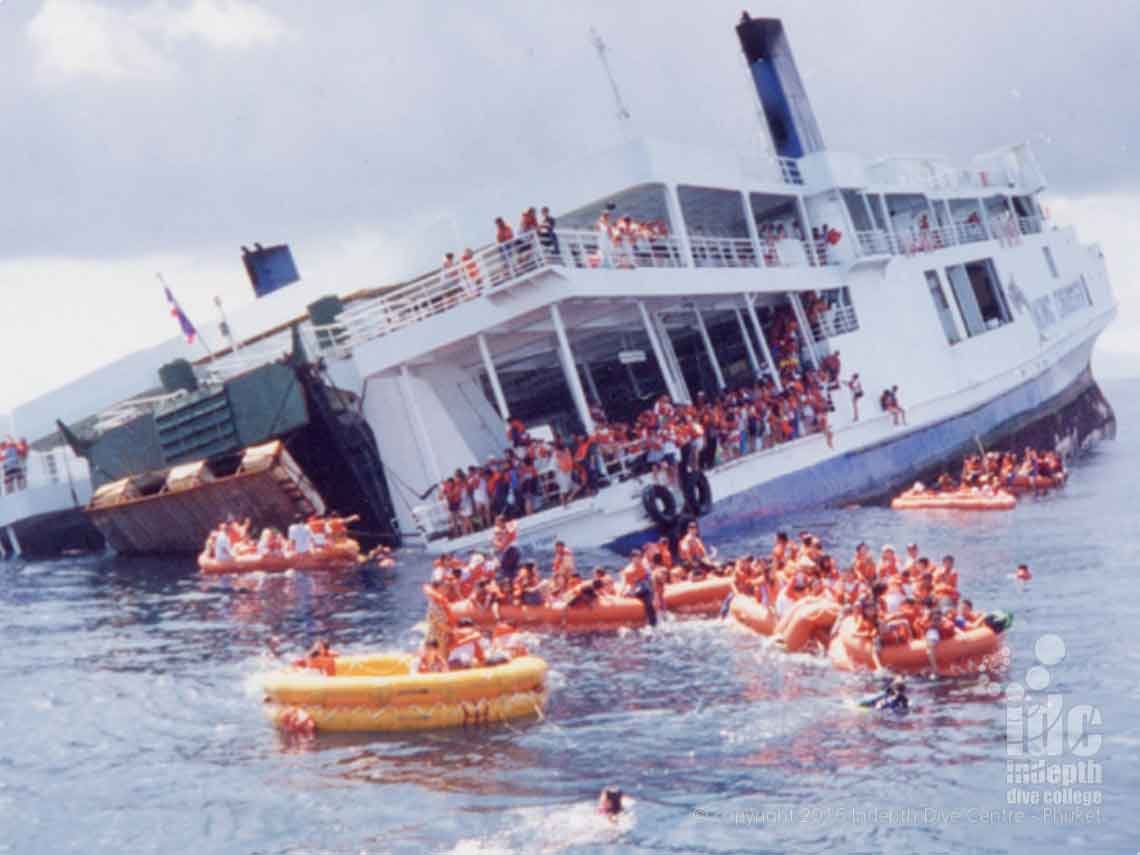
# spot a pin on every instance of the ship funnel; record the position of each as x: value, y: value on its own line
x: 787, y: 109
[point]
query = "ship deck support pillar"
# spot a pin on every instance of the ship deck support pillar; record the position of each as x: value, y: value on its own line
x: 753, y: 362
x: 709, y: 349
x: 493, y: 377
x: 677, y: 222
x: 570, y: 370
x: 658, y: 352
x: 423, y: 441
x: 805, y: 327
x: 773, y: 369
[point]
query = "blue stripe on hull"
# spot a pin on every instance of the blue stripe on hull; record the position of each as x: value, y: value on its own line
x: 872, y: 472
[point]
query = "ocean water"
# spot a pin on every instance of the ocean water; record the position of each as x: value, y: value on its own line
x: 130, y: 719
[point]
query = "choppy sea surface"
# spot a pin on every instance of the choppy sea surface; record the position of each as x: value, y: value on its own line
x: 130, y: 719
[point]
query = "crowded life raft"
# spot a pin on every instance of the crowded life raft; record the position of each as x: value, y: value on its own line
x: 320, y: 543
x: 810, y: 626
x: 962, y: 499
x: 381, y: 692
x: 702, y: 598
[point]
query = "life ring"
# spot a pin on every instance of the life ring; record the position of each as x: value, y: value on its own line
x: 659, y: 503
x: 698, y: 493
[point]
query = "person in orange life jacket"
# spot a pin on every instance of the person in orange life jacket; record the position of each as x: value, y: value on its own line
x: 933, y: 627
x: 562, y: 566
x: 528, y: 587
x: 516, y: 433
x: 504, y: 237
x: 466, y: 647
x: 471, y: 275
x: 431, y: 659
x: 864, y: 565
x: 692, y: 550
x: 608, y: 586
x: 867, y: 626
x: 585, y: 593
x: 967, y: 618
x: 503, y: 541
x: 636, y: 582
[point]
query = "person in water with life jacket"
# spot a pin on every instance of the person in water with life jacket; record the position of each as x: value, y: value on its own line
x: 892, y: 699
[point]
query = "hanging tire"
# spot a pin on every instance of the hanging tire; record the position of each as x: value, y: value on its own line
x: 660, y: 505
x: 698, y: 493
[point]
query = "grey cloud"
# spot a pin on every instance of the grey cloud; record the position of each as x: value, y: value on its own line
x: 371, y: 111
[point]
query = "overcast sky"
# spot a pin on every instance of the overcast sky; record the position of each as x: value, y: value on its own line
x: 141, y: 135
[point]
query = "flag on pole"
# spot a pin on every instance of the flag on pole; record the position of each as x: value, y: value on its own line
x: 183, y: 321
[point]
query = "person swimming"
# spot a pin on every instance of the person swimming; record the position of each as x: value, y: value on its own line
x: 893, y: 698
x: 610, y: 801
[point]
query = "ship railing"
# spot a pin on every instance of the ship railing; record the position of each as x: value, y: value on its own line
x: 874, y: 242
x: 916, y: 241
x: 1005, y: 230
x: 442, y: 289
x: 836, y: 320
x: 731, y: 252
x: 969, y: 232
x: 589, y: 248
x: 222, y: 368
x: 59, y: 465
x: 611, y: 463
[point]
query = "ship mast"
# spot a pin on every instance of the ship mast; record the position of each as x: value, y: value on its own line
x: 600, y: 47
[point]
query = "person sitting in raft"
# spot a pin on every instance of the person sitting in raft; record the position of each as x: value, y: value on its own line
x: 603, y: 576
x: 967, y: 618
x: 693, y: 552
x: 636, y: 582
x: 529, y: 589
x: 431, y: 660
x: 944, y: 483
x: 319, y: 657
x: 465, y: 649
x: 610, y: 802
x: 271, y: 542
x: 222, y: 548
x: 584, y: 593
x: 300, y: 538
x: 867, y: 626
x: 932, y: 628
x: 796, y: 589
x: 487, y: 596
x: 317, y: 532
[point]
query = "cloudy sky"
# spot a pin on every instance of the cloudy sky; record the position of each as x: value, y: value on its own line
x: 146, y: 135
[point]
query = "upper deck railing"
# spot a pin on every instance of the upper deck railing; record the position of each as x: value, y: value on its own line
x: 495, y: 266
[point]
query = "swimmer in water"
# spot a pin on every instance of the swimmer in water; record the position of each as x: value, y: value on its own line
x: 610, y: 802
x: 1023, y: 572
x: 893, y: 698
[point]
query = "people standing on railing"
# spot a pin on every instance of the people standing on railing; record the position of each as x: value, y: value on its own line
x: 889, y: 401
x: 605, y: 229
x: 855, y: 385
x: 472, y: 278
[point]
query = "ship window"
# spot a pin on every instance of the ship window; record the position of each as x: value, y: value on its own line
x: 979, y: 296
x: 942, y: 307
x: 1049, y: 262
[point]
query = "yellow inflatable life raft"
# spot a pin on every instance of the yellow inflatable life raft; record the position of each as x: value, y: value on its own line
x: 381, y: 692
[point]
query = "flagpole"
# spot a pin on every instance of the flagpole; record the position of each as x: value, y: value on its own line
x: 201, y: 338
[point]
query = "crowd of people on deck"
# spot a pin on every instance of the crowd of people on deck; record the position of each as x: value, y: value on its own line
x: 894, y: 598
x: 666, y: 440
x: 14, y: 460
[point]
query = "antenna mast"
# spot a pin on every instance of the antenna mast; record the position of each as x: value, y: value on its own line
x: 600, y: 47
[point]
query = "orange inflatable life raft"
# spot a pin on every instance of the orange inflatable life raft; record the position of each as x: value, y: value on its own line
x: 958, y: 500
x: 967, y: 652
x: 338, y: 556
